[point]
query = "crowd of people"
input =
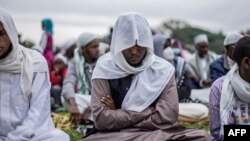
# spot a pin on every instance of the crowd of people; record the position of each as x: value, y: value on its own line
x: 130, y: 85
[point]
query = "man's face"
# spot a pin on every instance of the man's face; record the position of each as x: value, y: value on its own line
x: 245, y: 66
x: 4, y: 41
x: 91, y: 50
x: 230, y: 50
x: 134, y: 55
x: 202, y: 49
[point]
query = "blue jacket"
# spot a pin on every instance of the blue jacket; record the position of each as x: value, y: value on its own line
x: 218, y: 68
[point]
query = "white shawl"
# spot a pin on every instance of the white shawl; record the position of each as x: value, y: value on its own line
x: 20, y: 60
x: 232, y: 86
x: 150, y: 78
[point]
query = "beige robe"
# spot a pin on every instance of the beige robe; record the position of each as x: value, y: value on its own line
x: 158, y: 124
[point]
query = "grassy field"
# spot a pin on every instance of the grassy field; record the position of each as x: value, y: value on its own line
x: 62, y: 121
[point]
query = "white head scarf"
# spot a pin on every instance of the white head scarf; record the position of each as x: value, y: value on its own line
x: 150, y: 78
x: 20, y: 60
x: 200, y: 39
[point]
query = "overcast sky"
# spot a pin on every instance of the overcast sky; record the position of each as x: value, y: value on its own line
x: 72, y: 17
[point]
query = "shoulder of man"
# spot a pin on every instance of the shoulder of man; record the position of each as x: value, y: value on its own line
x: 37, y: 58
x: 218, y: 83
x: 219, y: 61
x: 160, y: 61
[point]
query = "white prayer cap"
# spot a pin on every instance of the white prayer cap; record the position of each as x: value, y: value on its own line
x: 66, y: 45
x: 200, y: 39
x: 85, y: 38
x: 59, y: 56
x: 232, y: 38
x: 168, y: 54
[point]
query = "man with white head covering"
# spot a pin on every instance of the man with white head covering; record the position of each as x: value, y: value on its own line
x: 229, y: 98
x: 134, y: 94
x: 188, y: 110
x: 77, y: 84
x: 24, y: 90
x: 222, y: 65
x: 68, y: 48
x: 200, y: 61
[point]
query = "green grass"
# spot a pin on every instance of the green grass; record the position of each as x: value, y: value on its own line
x: 62, y: 119
x: 199, y: 125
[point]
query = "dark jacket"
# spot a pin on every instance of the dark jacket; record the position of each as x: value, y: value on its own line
x: 218, y: 68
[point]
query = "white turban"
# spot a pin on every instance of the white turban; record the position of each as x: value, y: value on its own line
x: 85, y: 38
x: 232, y: 39
x: 200, y: 39
x: 61, y: 57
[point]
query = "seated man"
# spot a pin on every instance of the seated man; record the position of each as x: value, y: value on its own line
x: 134, y: 94
x: 24, y: 90
x: 77, y: 83
x: 222, y: 65
x: 68, y: 47
x: 199, y: 63
x: 189, y: 110
x: 230, y: 95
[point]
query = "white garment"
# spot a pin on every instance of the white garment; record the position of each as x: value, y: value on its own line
x: 20, y: 60
x: 70, y: 80
x: 195, y: 111
x: 232, y: 86
x: 43, y: 42
x: 21, y: 119
x: 82, y: 102
x: 200, y: 94
x: 168, y: 54
x: 195, y: 65
x: 24, y: 90
x: 102, y: 48
x: 52, y: 135
x: 204, y: 64
x: 230, y: 62
x: 150, y: 78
